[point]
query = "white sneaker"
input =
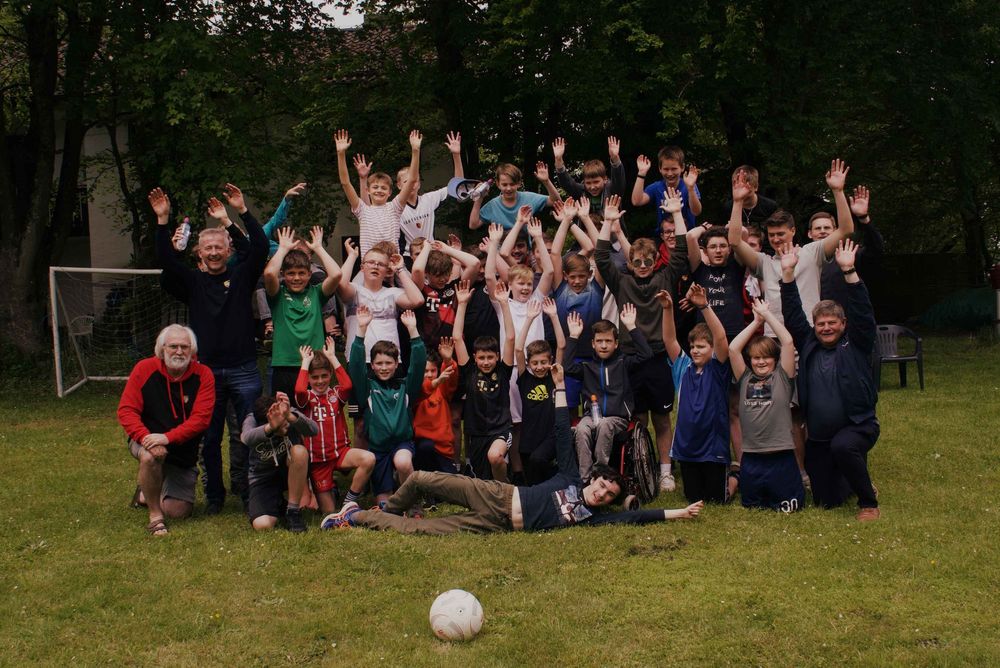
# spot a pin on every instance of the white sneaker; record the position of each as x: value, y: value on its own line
x: 667, y: 482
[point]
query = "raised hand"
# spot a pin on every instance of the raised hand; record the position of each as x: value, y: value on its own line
x: 415, y: 140
x: 284, y: 403
x: 364, y: 316
x: 454, y: 242
x: 642, y: 165
x: 446, y: 373
x: 789, y: 255
x: 316, y: 240
x: 484, y: 245
x: 446, y: 347
x: 362, y: 166
x: 276, y: 417
x: 535, y: 229
x: 408, y: 318
x: 559, y: 209
x: 583, y: 208
x: 672, y: 202
x: 575, y: 325
x: 463, y: 292
x: 665, y: 300
x: 160, y: 203
x: 295, y: 190
x: 627, y: 316
x: 570, y: 209
x: 396, y: 262
x: 558, y: 375
x: 534, y: 309
x: 542, y: 171
x: 846, y: 252
x: 286, y: 238
x: 234, y: 196
x: 496, y: 231
x: 696, y: 296
x: 330, y: 349
x: 760, y: 309
x: 837, y: 176
x: 611, y: 209
x: 342, y: 140
x: 307, y: 354
x: 217, y: 210
x: 741, y: 189
x: 350, y: 248
x: 453, y: 142
x: 614, y: 150
x: 500, y: 291
x: 549, y: 307
x: 558, y: 148
x: 691, y: 176
x: 176, y: 238
x: 859, y: 202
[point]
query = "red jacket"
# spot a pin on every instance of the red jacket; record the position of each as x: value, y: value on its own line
x: 327, y: 410
x: 180, y: 409
x: 432, y: 419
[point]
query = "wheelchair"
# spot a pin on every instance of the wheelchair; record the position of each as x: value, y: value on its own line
x: 634, y: 456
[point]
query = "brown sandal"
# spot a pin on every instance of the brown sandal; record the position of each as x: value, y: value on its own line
x: 157, y: 527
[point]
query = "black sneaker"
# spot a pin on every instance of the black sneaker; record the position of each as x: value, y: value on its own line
x: 293, y: 520
x: 213, y: 507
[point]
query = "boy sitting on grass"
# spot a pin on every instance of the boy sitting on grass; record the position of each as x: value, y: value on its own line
x: 535, y: 386
x: 701, y: 435
x: 606, y: 381
x: 331, y: 449
x: 432, y: 420
x: 388, y: 401
x: 563, y: 500
x: 278, y: 461
x: 769, y: 474
x: 296, y: 306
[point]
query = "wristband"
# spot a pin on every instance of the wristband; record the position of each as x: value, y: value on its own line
x: 641, y: 176
x: 850, y: 271
x: 702, y: 308
x: 559, y: 389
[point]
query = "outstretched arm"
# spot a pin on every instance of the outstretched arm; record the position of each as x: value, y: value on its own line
x: 739, y: 342
x: 414, y: 173
x: 836, y: 178
x: 342, y: 141
x: 534, y: 309
x: 330, y: 266
x: 499, y: 296
x: 545, y: 259
x: 669, y: 329
x: 639, y: 196
x: 496, y: 233
x: 549, y: 308
x: 272, y: 272
x: 345, y: 288
x: 691, y: 181
x: 412, y: 296
x: 453, y: 142
x: 463, y: 293
x: 747, y: 256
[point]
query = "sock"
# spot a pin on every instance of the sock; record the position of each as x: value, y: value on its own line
x: 664, y: 469
x: 293, y: 506
x: 352, y: 496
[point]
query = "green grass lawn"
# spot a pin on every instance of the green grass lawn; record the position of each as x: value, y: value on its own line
x: 83, y: 584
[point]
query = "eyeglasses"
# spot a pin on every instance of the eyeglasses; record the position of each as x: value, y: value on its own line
x: 376, y: 263
x: 668, y: 233
x: 643, y: 262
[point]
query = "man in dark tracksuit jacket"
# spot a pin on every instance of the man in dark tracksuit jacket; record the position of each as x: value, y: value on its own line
x: 164, y: 409
x: 561, y: 501
x: 835, y: 386
x: 219, y: 306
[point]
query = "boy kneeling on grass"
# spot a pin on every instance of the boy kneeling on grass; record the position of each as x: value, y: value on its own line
x: 494, y: 506
x: 278, y: 461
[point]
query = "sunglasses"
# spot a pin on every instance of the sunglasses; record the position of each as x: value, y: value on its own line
x: 643, y: 262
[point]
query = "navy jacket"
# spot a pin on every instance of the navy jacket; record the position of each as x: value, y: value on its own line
x: 854, y: 350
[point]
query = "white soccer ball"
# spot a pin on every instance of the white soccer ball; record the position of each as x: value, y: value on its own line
x: 456, y: 615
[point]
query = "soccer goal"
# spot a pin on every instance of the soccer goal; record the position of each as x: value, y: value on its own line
x: 104, y: 321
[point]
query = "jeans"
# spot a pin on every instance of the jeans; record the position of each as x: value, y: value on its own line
x: 240, y: 385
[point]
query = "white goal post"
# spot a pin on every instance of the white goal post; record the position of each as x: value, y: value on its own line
x: 104, y: 320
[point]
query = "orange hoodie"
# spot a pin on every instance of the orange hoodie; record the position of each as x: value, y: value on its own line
x: 432, y: 419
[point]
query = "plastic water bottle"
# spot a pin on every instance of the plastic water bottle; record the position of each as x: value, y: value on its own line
x: 481, y: 189
x: 595, y: 410
x: 182, y: 243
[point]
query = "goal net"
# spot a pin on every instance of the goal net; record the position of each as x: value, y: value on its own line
x: 104, y: 321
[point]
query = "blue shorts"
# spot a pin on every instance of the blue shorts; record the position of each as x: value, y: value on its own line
x: 771, y: 480
x: 382, y: 480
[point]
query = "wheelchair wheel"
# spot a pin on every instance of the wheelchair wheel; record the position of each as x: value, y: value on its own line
x: 644, y: 465
x: 631, y: 502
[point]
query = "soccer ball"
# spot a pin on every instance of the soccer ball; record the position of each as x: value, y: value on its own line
x: 456, y: 615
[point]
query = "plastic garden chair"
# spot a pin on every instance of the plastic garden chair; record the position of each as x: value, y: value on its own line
x: 888, y: 353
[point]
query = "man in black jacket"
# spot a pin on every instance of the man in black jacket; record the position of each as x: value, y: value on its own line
x: 835, y: 384
x: 220, y: 313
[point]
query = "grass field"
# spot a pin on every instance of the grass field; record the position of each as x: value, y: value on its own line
x: 83, y: 584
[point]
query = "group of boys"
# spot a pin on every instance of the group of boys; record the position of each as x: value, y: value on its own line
x: 494, y: 344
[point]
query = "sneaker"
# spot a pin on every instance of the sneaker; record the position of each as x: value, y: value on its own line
x: 293, y: 520
x: 341, y: 519
x: 805, y: 481
x: 667, y: 482
x: 213, y: 507
x: 869, y: 514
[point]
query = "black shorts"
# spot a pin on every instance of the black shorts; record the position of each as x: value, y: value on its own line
x: 479, y: 448
x: 653, y: 386
x: 383, y: 479
x: 267, y: 493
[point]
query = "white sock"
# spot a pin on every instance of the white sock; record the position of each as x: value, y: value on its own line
x: 664, y: 469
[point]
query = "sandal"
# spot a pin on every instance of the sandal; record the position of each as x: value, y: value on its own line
x: 157, y: 527
x: 137, y: 501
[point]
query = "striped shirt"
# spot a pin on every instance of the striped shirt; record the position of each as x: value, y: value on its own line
x: 378, y: 223
x: 327, y: 410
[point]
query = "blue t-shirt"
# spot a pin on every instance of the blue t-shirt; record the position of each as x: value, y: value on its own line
x: 588, y: 304
x: 702, y: 430
x: 495, y: 211
x: 657, y: 191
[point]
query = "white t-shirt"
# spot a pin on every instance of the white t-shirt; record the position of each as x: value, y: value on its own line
x: 807, y: 276
x: 418, y: 221
x: 382, y: 304
x: 378, y: 223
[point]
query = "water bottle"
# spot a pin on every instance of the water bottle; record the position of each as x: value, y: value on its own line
x: 182, y: 243
x: 481, y: 189
x: 595, y: 410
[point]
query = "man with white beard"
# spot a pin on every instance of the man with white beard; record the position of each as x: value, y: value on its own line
x: 165, y: 409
